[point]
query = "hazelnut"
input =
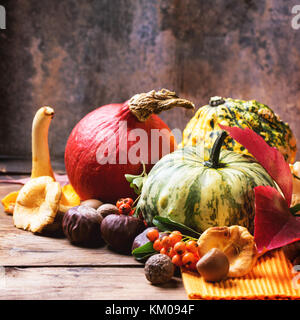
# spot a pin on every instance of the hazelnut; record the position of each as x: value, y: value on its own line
x: 159, y: 269
x: 214, y: 265
x: 107, y: 209
x: 93, y: 203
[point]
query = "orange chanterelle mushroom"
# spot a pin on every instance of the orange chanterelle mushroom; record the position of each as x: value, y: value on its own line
x: 37, y: 204
x: 235, y: 242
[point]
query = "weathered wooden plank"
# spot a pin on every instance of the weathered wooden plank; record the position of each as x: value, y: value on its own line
x: 6, y: 188
x: 23, y: 166
x: 22, y: 248
x: 39, y: 267
x: 85, y: 283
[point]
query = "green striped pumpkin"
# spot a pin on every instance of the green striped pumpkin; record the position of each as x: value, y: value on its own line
x: 201, y: 194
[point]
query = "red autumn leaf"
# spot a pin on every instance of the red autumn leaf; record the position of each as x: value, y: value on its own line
x: 275, y: 226
x: 269, y: 158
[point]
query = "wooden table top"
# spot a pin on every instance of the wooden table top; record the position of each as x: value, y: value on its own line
x: 39, y: 267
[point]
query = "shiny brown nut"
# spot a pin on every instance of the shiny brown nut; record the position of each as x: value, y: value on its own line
x: 291, y: 251
x: 119, y: 231
x: 107, y: 209
x: 81, y: 225
x: 213, y: 266
x: 159, y: 269
x: 93, y: 203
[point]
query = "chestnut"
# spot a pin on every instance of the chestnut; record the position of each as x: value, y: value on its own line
x: 81, y: 225
x: 107, y: 209
x: 119, y: 231
x: 213, y: 266
x: 93, y: 203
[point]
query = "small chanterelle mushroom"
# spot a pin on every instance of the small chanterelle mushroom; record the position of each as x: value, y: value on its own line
x: 235, y: 242
x: 37, y: 204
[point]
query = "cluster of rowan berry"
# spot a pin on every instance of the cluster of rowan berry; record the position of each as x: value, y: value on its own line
x: 181, y: 249
x: 124, y: 206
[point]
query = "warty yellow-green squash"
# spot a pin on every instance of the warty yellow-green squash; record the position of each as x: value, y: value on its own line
x: 203, y: 128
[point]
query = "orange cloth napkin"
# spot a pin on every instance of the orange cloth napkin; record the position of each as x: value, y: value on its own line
x: 271, y: 278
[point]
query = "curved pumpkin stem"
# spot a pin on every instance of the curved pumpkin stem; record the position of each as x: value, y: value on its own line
x: 213, y: 161
x: 142, y: 105
x: 216, y: 101
x: 41, y: 165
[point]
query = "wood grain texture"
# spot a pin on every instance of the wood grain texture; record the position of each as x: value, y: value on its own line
x: 85, y: 283
x: 23, y: 248
x: 77, y: 55
x: 23, y: 166
x: 39, y: 267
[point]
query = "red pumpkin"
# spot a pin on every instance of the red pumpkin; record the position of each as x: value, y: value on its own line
x: 108, y: 143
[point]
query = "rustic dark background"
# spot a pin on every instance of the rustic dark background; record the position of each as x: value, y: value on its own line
x: 76, y: 55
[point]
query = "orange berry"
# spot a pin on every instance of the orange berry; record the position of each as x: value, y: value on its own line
x: 196, y: 256
x: 128, y: 200
x: 165, y: 242
x: 175, y: 237
x: 124, y: 209
x: 192, y: 246
x: 171, y: 252
x: 179, y: 248
x: 189, y: 259
x: 164, y: 251
x: 152, y: 235
x: 178, y: 233
x: 119, y: 202
x: 177, y: 260
x: 157, y: 246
